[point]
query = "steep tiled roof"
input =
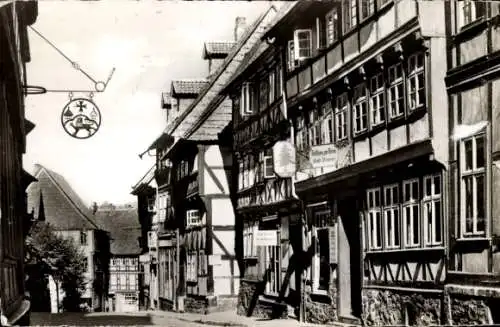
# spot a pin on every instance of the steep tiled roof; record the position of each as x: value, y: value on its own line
x: 217, y: 49
x: 184, y: 87
x: 182, y: 126
x: 145, y: 180
x: 211, y: 127
x: 61, y: 205
x: 214, y: 112
x: 124, y: 229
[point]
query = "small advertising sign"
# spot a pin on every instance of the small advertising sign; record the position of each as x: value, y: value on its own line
x: 328, y: 155
x: 266, y: 238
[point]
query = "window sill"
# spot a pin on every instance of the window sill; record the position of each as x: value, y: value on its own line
x: 412, y: 249
x: 473, y: 238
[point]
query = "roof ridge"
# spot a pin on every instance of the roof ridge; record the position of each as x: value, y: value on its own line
x: 49, y: 173
x: 246, y: 36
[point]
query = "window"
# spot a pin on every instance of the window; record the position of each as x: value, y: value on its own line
x: 250, y: 249
x: 327, y: 135
x: 245, y: 100
x: 191, y: 267
x: 473, y: 10
x: 151, y: 204
x: 332, y: 26
x: 432, y: 210
x: 320, y: 33
x: 366, y: 8
x: 272, y: 87
x: 113, y: 280
x: 193, y: 218
x: 267, y: 161
x: 315, y: 126
x: 391, y: 216
x: 264, y: 93
x: 341, y: 117
x: 377, y: 99
x: 360, y: 108
x: 473, y: 185
x: 303, y: 44
x: 83, y: 238
x: 301, y: 135
x: 374, y: 219
x: 349, y: 13
x: 291, y: 55
x: 416, y: 81
x: 411, y: 212
x: 396, y: 91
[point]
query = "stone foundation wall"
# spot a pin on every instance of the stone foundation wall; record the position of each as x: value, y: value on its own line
x: 195, y: 304
x: 166, y: 305
x: 472, y: 305
x: 225, y: 303
x: 387, y: 307
x: 321, y: 309
x: 249, y: 303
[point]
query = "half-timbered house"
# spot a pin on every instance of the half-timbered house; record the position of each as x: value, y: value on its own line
x: 201, y: 186
x: 366, y: 100
x: 473, y: 81
x: 15, y: 17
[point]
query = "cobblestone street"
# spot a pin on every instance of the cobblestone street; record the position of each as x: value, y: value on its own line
x: 158, y: 318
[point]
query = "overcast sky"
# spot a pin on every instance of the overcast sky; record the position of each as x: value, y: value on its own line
x: 149, y: 43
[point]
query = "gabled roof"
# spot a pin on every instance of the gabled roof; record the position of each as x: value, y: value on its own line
x: 211, y: 127
x: 144, y: 181
x: 62, y: 207
x: 181, y: 126
x: 217, y: 49
x: 124, y: 229
x: 188, y: 87
x: 166, y: 100
x: 215, y: 112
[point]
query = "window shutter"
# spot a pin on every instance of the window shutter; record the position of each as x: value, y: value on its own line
x: 332, y: 233
x: 320, y: 33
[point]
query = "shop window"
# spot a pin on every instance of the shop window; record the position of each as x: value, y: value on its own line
x: 374, y: 219
x: 332, y: 25
x: 366, y: 8
x: 396, y: 91
x: 321, y: 259
x: 416, y: 81
x: 392, y: 216
x: 349, y: 10
x: 341, y: 108
x: 432, y: 210
x: 473, y: 185
x: 360, y: 108
x: 377, y: 99
x: 411, y: 213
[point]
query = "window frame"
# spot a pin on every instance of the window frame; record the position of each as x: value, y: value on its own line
x: 392, y: 241
x: 349, y: 15
x: 374, y: 213
x: 430, y: 234
x: 413, y: 75
x: 474, y: 172
x: 377, y: 105
x: 83, y: 238
x: 193, y: 217
x: 245, y: 102
x: 297, y: 44
x: 394, y: 84
x: 371, y: 9
x: 412, y: 203
x: 332, y: 25
x: 341, y: 117
x: 360, y: 101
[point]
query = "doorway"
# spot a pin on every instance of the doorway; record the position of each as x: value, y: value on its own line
x: 349, y: 261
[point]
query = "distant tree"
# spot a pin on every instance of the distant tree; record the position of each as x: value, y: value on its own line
x: 48, y: 254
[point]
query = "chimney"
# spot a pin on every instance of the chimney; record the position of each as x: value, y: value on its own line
x: 240, y: 25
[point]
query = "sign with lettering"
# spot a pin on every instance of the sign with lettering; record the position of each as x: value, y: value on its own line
x: 328, y: 155
x: 266, y: 238
x: 284, y: 160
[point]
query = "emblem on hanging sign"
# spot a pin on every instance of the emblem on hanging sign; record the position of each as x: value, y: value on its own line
x: 284, y: 159
x: 81, y: 118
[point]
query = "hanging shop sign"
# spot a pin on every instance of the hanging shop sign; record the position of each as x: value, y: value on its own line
x: 81, y: 118
x: 284, y: 159
x: 330, y: 156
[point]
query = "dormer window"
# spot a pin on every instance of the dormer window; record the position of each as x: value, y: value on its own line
x: 245, y: 101
x: 303, y: 44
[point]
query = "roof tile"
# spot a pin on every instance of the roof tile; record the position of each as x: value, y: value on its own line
x: 124, y: 229
x: 193, y: 87
x: 217, y: 48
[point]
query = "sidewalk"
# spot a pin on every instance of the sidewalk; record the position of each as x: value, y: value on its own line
x: 230, y: 319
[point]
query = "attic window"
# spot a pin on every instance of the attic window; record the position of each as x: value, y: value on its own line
x: 302, y: 44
